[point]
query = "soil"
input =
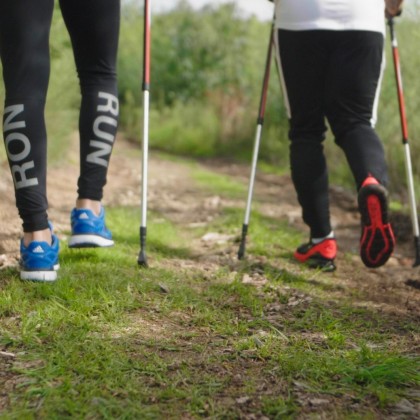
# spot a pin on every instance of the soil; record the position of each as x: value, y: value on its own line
x: 392, y: 290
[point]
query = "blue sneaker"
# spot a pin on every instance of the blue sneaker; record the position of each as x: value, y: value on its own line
x: 89, y: 230
x: 39, y: 260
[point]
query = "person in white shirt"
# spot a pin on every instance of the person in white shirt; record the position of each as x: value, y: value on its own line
x: 331, y: 60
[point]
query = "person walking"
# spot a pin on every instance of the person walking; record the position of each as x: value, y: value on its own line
x: 93, y: 26
x: 331, y: 60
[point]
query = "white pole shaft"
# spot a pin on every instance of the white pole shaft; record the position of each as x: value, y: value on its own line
x: 253, y: 172
x: 145, y: 159
x: 410, y: 183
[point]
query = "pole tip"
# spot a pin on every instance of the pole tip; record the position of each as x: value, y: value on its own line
x: 142, y: 259
x: 241, y: 251
x: 417, y: 251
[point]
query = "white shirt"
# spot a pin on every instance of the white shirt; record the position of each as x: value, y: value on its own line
x: 339, y: 15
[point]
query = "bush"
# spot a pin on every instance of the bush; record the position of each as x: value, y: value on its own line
x: 207, y: 70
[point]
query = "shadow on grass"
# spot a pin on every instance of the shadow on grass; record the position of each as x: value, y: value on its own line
x: 283, y: 275
x: 123, y: 249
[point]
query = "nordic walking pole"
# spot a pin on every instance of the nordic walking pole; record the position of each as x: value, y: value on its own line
x: 142, y: 258
x: 404, y: 129
x: 260, y: 123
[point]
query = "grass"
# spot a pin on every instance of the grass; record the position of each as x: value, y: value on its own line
x: 219, y: 184
x: 177, y: 340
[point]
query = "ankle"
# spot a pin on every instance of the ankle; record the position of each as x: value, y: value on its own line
x: 38, y: 236
x: 323, y: 238
x: 93, y: 205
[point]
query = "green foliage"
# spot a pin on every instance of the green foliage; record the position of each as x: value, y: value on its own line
x: 206, y: 80
x: 207, y: 69
x: 202, y: 52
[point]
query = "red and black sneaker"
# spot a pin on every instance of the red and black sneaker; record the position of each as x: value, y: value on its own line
x: 377, y: 241
x: 319, y: 255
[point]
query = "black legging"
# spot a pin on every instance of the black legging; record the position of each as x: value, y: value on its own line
x: 93, y: 26
x: 331, y: 75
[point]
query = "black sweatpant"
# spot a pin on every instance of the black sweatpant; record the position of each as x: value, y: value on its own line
x: 333, y: 75
x: 93, y: 26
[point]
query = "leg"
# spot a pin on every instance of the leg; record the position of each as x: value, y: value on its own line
x: 303, y: 60
x: 24, y: 50
x: 355, y: 73
x: 351, y: 102
x: 94, y: 28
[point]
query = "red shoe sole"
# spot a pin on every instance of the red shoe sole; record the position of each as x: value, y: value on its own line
x: 377, y: 241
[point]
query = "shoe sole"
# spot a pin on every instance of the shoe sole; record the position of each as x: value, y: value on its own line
x: 40, y: 276
x: 327, y: 266
x: 377, y: 240
x: 89, y: 241
x: 316, y: 261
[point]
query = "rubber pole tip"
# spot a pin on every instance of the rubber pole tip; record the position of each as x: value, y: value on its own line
x: 142, y: 259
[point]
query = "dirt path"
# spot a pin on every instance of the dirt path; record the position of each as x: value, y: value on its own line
x: 173, y: 194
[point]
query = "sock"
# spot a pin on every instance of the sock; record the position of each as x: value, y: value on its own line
x: 319, y: 240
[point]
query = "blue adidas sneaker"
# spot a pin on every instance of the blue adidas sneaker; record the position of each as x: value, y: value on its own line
x: 89, y: 230
x: 39, y: 260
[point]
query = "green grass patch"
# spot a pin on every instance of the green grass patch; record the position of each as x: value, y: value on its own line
x: 111, y: 340
x: 219, y: 184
